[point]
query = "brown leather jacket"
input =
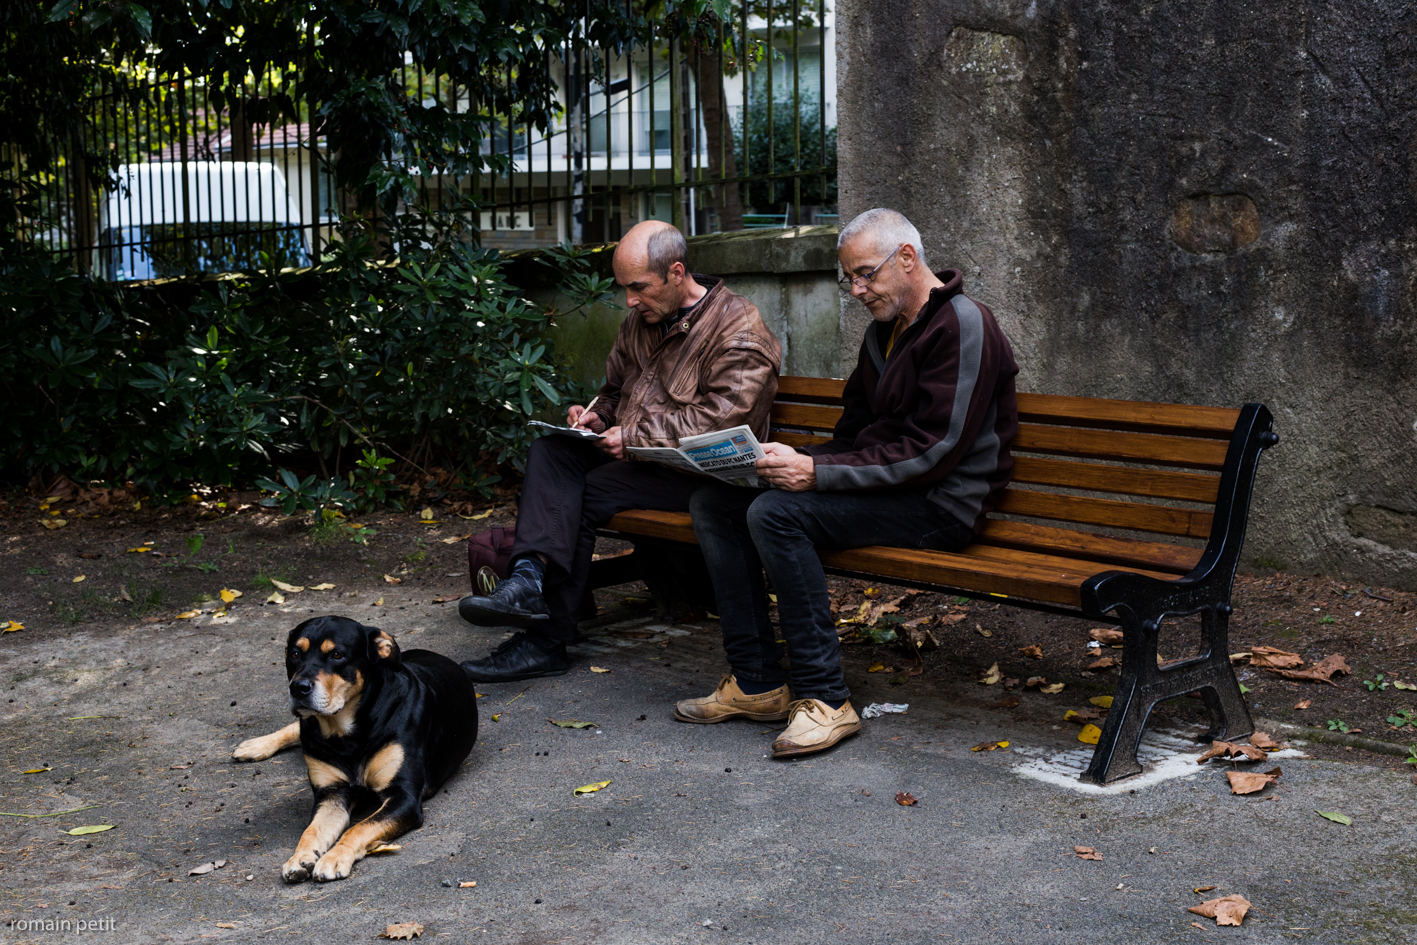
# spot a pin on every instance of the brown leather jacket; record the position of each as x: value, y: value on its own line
x: 716, y: 368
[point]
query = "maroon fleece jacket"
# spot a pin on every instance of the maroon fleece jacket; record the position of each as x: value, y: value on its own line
x: 938, y: 415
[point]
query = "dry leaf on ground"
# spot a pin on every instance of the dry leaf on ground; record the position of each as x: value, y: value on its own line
x: 403, y: 930
x: 1032, y: 650
x: 1227, y: 910
x: 79, y: 579
x: 599, y: 669
x: 880, y: 668
x: 1249, y: 782
x: 979, y: 628
x: 327, y: 586
x: 989, y: 746
x: 1231, y: 750
x: 1264, y: 742
x: 1303, y: 703
x: 1090, y: 735
x: 571, y: 723
x: 1087, y: 853
x: 1200, y: 889
x: 1335, y: 816
x: 1035, y: 681
x: 991, y: 675
x: 1106, y: 662
x: 905, y: 799
x: 1102, y: 702
x: 276, y: 598
x: 1052, y: 689
x: 378, y: 603
x: 288, y: 588
x: 88, y: 829
x: 590, y: 788
x: 386, y: 848
x: 1107, y: 636
x: 1009, y: 703
x: 1081, y: 715
x: 206, y: 868
x: 189, y: 614
x: 390, y: 579
x: 228, y: 595
x: 1268, y: 657
x: 11, y: 626
x: 445, y: 600
x: 1322, y: 671
x: 1011, y: 683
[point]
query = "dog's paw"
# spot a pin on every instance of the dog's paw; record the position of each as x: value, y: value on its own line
x: 297, y: 869
x: 333, y: 865
x: 256, y: 749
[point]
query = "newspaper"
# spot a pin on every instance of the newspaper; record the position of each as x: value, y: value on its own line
x: 579, y: 432
x: 728, y: 455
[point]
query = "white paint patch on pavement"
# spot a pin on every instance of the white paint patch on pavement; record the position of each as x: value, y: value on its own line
x: 1164, y: 755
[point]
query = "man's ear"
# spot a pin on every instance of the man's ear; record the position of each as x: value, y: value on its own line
x: 383, y: 647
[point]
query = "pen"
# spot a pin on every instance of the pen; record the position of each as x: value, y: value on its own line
x: 587, y: 410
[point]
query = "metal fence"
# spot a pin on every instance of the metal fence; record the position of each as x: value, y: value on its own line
x: 732, y: 128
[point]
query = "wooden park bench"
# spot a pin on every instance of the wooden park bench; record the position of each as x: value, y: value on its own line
x: 1095, y: 483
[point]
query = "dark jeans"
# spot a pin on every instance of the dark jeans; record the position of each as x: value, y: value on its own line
x: 571, y: 489
x: 744, y: 532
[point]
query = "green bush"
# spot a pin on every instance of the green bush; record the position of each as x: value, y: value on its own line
x: 434, y: 360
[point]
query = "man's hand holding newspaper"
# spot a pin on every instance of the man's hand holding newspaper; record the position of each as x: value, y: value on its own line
x: 729, y: 455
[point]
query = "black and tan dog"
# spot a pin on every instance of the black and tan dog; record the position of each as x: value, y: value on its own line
x: 374, y: 720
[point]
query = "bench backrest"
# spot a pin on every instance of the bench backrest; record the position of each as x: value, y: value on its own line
x: 1113, y: 473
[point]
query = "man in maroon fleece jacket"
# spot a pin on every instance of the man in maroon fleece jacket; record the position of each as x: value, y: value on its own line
x: 918, y: 459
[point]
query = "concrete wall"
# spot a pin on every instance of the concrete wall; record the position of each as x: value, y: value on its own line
x: 790, y: 275
x: 1202, y: 202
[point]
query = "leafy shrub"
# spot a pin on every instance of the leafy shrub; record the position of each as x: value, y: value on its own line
x: 433, y: 359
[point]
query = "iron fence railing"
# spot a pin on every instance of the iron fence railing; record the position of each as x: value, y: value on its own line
x: 731, y: 127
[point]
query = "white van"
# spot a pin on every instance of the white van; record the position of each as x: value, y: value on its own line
x: 233, y: 212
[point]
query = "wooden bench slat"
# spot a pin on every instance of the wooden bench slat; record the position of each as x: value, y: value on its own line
x: 1054, y: 586
x: 1154, y: 483
x: 798, y: 439
x: 1135, y: 416
x: 1148, y: 448
x: 1108, y: 513
x: 1104, y: 549
x: 1060, y: 563
x: 805, y: 416
x: 810, y: 390
x: 670, y: 526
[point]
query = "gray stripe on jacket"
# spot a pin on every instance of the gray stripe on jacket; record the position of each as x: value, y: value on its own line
x: 832, y: 477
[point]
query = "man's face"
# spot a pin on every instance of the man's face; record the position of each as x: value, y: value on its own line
x: 887, y: 294
x: 653, y: 297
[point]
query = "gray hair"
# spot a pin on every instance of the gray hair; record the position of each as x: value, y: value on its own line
x: 664, y: 248
x: 887, y: 228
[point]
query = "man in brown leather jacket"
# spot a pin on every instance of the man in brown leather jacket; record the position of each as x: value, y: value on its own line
x: 691, y: 357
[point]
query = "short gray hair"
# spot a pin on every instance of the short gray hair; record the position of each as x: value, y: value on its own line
x: 664, y: 248
x: 887, y: 228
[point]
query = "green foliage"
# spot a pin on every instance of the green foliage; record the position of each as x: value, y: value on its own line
x: 1378, y: 684
x: 433, y: 359
x: 777, y: 155
x: 1403, y: 717
x: 1338, y: 725
x: 194, y: 543
x: 1328, y: 618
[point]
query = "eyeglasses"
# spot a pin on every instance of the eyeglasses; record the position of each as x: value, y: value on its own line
x: 862, y: 282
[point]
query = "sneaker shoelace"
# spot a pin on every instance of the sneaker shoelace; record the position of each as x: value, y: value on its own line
x: 799, y: 705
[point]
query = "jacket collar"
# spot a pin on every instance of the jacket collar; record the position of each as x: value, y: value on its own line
x: 878, y: 332
x: 713, y: 284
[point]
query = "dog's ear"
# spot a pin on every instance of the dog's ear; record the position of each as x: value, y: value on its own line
x: 383, y: 647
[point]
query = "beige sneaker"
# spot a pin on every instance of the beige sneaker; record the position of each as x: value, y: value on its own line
x: 730, y: 702
x: 815, y: 726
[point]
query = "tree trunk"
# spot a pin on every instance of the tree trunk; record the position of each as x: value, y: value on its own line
x: 718, y: 136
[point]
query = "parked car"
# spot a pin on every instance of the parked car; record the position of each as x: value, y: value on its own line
x: 236, y: 215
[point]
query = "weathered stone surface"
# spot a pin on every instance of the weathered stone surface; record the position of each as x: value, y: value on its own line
x: 1201, y: 202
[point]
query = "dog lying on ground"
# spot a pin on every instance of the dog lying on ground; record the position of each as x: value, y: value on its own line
x: 372, y: 719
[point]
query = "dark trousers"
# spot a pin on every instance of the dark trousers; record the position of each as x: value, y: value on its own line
x: 744, y: 531
x: 571, y: 489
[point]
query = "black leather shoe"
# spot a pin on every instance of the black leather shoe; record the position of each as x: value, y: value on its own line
x: 511, y: 604
x: 522, y: 657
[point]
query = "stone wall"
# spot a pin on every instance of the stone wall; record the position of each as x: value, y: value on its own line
x: 789, y: 274
x: 1201, y: 202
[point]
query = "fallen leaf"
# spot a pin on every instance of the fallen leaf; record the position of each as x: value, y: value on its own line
x: 599, y: 669
x: 1268, y: 657
x: 226, y: 925
x: 1106, y: 662
x: 445, y: 600
x: 1239, y: 657
x: 1264, y: 742
x: 1052, y: 689
x: 590, y: 788
x: 457, y: 538
x: 86, y: 830
x: 79, y: 579
x: 1087, y: 853
x: 991, y: 675
x: 468, y: 885
x: 1249, y: 782
x: 1303, y: 703
x: 1102, y: 702
x: 36, y: 770
x: 1081, y: 715
x: 228, y: 595
x: 390, y: 579
x: 206, y: 868
x: 479, y: 516
x: 880, y: 668
x: 405, y: 930
x: 1011, y: 683
x: 386, y: 848
x: 276, y: 598
x: 1033, y: 650
x: 1227, y: 910
x: 288, y: 588
x: 1322, y: 671
x: 188, y: 614
x: 871, y: 592
x: 179, y: 767
x: 1035, y: 681
x: 11, y: 626
x: 571, y: 723
x: 53, y: 523
x: 138, y: 551
x: 905, y: 799
x: 497, y: 718
x: 1202, y: 889
x: 1232, y: 750
x: 979, y: 628
x: 426, y: 514
x: 378, y: 603
x: 322, y: 587
x: 1090, y: 735
x: 1336, y: 817
x: 989, y: 746
x: 1107, y: 636
x: 1009, y: 703
x: 1399, y: 684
